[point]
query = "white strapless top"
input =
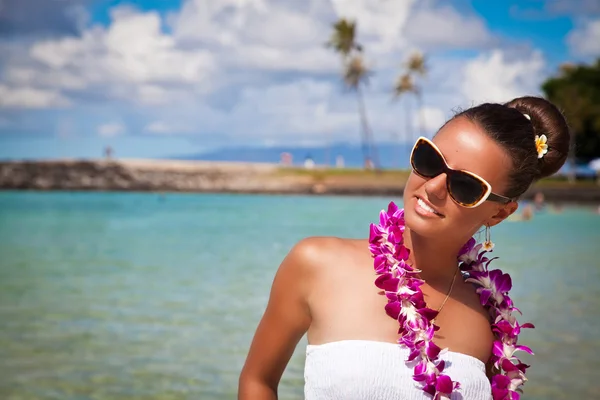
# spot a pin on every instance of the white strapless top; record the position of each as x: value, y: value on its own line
x: 370, y: 370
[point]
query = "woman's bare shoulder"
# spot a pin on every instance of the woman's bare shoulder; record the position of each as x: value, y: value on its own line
x: 314, y: 260
x: 319, y: 251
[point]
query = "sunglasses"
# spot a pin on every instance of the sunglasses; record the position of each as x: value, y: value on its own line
x: 465, y: 188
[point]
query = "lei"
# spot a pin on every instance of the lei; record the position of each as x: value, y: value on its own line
x: 406, y: 304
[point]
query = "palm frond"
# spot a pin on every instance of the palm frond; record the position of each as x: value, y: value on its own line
x: 404, y: 84
x: 416, y: 63
x: 343, y: 38
x: 356, y: 72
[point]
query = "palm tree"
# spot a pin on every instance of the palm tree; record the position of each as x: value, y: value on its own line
x: 343, y: 41
x: 416, y: 66
x: 404, y: 86
x: 416, y: 63
x: 356, y: 75
x: 343, y: 38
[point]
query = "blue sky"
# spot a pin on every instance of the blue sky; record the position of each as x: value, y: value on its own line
x: 155, y: 78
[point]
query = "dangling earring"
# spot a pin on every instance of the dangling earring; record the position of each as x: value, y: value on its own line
x: 488, y: 245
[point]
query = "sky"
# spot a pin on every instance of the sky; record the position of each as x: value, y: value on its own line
x: 161, y: 78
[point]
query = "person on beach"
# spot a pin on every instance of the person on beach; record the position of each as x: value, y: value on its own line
x: 378, y: 311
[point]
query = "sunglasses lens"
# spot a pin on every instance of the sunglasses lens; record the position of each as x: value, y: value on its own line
x: 426, y: 160
x: 466, y: 189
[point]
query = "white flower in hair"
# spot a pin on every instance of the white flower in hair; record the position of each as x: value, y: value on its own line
x: 540, y: 145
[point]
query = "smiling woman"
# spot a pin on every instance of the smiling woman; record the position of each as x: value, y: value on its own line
x: 470, y: 175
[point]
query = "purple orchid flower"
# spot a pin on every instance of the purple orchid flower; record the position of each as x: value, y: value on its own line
x: 500, y: 389
x: 506, y: 386
x: 505, y: 328
x: 444, y: 387
x: 492, y: 284
x: 504, y: 350
x: 387, y: 282
x: 467, y: 247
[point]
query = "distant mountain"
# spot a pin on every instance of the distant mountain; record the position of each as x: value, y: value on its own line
x: 390, y: 155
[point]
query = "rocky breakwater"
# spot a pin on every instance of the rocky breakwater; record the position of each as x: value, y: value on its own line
x: 148, y: 175
x: 225, y: 177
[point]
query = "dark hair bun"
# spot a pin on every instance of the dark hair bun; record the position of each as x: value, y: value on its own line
x: 547, y: 120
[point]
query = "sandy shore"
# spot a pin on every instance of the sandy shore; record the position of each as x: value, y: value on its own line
x: 229, y: 177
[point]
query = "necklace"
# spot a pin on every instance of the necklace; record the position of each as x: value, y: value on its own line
x: 447, y: 294
x: 401, y: 283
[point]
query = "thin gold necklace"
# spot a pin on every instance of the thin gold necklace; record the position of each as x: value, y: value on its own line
x: 448, y: 294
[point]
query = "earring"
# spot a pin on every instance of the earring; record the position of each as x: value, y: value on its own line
x: 488, y: 245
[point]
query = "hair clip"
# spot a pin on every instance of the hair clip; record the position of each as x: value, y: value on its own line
x: 527, y: 116
x: 540, y: 145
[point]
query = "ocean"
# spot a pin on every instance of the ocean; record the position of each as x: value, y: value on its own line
x: 157, y: 296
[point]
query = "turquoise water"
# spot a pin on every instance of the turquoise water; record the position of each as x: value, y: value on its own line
x: 143, y: 296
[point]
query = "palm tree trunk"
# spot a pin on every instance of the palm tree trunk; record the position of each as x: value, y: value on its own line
x: 363, y: 138
x: 396, y: 138
x: 408, y: 121
x: 367, y: 133
x: 328, y: 147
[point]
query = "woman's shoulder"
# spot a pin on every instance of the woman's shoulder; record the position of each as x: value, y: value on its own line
x: 313, y: 260
x: 323, y: 246
x: 319, y: 251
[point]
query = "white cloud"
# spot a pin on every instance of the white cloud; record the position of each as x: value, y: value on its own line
x: 197, y: 19
x: 161, y: 127
x: 433, y: 118
x: 29, y: 97
x: 132, y: 59
x: 584, y: 40
x: 445, y: 27
x: 381, y: 22
x: 495, y: 77
x: 111, y: 129
x: 301, y: 111
x: 273, y: 35
x: 297, y: 109
x: 55, y: 78
x: 256, y: 34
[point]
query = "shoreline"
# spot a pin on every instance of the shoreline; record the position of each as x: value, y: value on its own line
x: 234, y: 177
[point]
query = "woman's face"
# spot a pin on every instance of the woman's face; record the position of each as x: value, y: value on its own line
x: 465, y: 147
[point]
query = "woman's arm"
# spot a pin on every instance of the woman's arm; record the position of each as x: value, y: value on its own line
x: 286, y: 319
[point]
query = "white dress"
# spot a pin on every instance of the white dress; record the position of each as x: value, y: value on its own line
x: 370, y: 370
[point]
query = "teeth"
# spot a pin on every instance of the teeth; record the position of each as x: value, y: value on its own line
x: 424, y: 205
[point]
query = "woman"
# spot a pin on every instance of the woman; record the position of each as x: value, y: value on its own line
x: 325, y: 286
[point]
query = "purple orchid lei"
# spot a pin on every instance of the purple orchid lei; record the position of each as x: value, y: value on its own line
x: 406, y: 304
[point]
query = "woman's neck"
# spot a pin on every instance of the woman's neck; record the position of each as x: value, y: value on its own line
x: 435, y: 258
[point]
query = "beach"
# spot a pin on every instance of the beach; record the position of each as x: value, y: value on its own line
x: 231, y: 177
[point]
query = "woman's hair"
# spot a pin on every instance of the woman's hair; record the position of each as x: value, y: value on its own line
x: 509, y: 127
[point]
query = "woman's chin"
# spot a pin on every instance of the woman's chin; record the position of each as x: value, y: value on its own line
x: 424, y: 225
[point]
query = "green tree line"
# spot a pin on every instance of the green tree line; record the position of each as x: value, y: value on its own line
x: 576, y: 90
